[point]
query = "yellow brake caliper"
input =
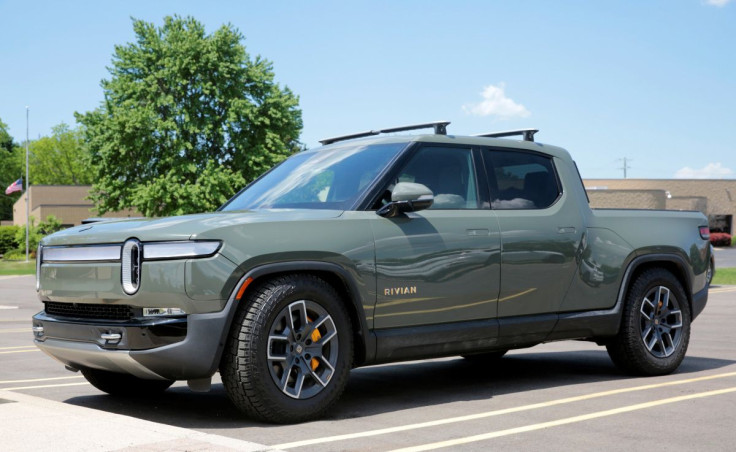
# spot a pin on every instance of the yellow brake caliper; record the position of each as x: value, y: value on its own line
x: 316, y: 336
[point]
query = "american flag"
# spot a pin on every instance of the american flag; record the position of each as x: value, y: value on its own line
x: 15, y: 186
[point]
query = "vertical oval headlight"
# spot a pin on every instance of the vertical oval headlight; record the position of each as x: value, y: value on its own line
x: 130, y: 268
x: 39, y: 258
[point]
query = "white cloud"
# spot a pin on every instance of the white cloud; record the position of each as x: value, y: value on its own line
x: 495, y: 103
x: 709, y: 171
x: 718, y: 3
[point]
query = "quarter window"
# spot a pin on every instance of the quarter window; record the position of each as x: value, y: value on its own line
x: 521, y: 180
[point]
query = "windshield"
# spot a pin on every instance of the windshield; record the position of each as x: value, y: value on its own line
x: 323, y: 179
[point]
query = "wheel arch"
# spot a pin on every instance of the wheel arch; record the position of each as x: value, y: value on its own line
x: 339, y: 278
x: 675, y: 264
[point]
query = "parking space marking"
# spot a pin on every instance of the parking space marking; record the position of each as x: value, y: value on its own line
x: 19, y: 351
x: 726, y: 289
x: 16, y: 330
x: 18, y: 347
x: 564, y: 421
x: 11, y: 382
x: 45, y: 386
x: 470, y: 417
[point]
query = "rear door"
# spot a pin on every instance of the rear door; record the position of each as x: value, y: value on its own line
x: 541, y: 228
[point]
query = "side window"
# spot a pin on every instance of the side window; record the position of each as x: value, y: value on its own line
x: 520, y: 180
x: 448, y: 172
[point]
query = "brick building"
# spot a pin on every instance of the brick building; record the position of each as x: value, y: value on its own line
x: 716, y: 198
x: 68, y: 203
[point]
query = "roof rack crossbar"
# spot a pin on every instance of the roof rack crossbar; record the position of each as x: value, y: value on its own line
x: 527, y: 134
x: 440, y: 128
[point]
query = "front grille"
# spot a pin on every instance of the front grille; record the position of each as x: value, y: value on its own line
x: 89, y: 311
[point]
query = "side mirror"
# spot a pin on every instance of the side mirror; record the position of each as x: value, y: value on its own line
x: 407, y: 197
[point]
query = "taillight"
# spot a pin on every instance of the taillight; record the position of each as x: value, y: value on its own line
x: 704, y: 232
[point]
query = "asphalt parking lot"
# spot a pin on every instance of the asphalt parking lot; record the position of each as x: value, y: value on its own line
x: 554, y: 397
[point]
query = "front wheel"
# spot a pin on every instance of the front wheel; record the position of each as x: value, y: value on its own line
x: 655, y: 330
x: 127, y: 385
x: 290, y: 350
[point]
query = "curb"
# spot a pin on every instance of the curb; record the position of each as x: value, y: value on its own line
x: 45, y: 425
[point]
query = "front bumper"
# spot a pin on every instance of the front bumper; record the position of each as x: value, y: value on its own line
x: 182, y: 348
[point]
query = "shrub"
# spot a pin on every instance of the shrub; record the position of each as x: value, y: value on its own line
x: 36, y: 233
x: 720, y: 239
x: 15, y: 255
x: 7, y: 238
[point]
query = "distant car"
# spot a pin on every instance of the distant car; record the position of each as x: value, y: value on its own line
x: 368, y: 251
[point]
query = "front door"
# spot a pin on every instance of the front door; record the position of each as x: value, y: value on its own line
x: 442, y: 264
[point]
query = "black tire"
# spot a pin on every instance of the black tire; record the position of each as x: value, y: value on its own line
x: 486, y: 358
x: 277, y: 367
x: 127, y: 385
x: 710, y: 273
x: 655, y: 329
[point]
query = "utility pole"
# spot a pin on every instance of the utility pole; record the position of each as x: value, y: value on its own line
x: 28, y: 198
x: 626, y: 165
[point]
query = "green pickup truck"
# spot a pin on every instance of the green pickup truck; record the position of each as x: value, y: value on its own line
x: 375, y: 247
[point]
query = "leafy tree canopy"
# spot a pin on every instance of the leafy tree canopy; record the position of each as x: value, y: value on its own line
x: 188, y: 118
x: 10, y: 170
x: 59, y: 159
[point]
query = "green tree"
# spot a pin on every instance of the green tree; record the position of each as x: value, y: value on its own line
x: 10, y: 170
x: 50, y: 225
x: 188, y: 118
x: 59, y: 159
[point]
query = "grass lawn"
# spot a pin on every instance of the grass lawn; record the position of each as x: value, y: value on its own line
x: 725, y: 276
x: 17, y: 267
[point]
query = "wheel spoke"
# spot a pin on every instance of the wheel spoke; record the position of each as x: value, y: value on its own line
x: 652, y: 342
x: 668, y: 345
x: 284, y: 382
x: 647, y: 302
x: 317, y: 377
x: 300, y: 308
x: 299, y: 384
x: 327, y: 338
x: 646, y: 332
x: 678, y: 319
x: 278, y: 338
x: 663, y: 295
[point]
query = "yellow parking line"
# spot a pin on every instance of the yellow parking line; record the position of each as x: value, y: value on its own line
x: 564, y: 421
x: 486, y: 414
x: 10, y: 382
x: 19, y: 351
x: 16, y: 330
x: 44, y: 386
x: 15, y: 348
x: 722, y: 289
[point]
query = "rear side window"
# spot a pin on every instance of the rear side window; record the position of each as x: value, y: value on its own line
x: 520, y: 180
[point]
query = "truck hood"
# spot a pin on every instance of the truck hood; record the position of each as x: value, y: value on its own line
x: 185, y: 227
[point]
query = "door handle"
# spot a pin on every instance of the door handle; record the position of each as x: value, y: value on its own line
x: 566, y: 230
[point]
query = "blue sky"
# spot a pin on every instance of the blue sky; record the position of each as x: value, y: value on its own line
x: 650, y: 80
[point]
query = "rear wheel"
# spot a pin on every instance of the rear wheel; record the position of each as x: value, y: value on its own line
x: 290, y: 350
x: 655, y: 330
x: 118, y: 384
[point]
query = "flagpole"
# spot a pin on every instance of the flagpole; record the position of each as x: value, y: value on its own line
x: 28, y: 198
